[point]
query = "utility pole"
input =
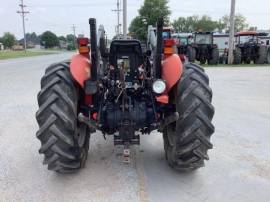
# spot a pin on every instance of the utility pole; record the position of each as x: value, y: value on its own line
x: 125, y: 18
x: 118, y: 10
x: 231, y: 39
x: 23, y: 13
x: 74, y: 34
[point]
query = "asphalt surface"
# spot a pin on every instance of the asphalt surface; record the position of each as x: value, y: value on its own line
x: 238, y: 170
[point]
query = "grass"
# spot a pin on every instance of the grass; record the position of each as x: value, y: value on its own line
x: 18, y: 54
x: 240, y: 65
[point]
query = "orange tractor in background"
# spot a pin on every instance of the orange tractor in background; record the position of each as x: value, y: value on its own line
x: 124, y: 93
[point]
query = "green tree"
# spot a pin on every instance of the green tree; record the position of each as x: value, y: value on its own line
x: 70, y: 38
x: 62, y: 38
x: 8, y: 40
x: 138, y: 29
x: 194, y: 23
x: 240, y: 23
x: 253, y: 29
x: 49, y: 39
x: 191, y: 23
x: 31, y: 38
x: 205, y: 23
x: 180, y: 25
x: 148, y: 15
x: 71, y: 41
x: 221, y: 26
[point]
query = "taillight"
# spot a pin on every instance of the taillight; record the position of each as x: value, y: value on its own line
x: 83, y: 45
x: 169, y: 47
x: 84, y: 49
x: 83, y: 41
x: 169, y: 42
x: 169, y: 50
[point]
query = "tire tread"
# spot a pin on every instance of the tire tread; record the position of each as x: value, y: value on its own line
x: 57, y: 119
x: 187, y: 141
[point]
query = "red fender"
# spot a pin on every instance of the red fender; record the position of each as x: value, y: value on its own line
x: 172, y: 70
x: 80, y: 68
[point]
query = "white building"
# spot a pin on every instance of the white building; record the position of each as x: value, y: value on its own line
x: 222, y: 40
x: 265, y: 38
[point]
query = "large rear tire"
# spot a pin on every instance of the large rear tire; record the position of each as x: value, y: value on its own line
x: 187, y: 141
x: 214, y: 57
x: 64, y: 141
x: 203, y: 61
x: 262, y: 55
x: 237, y: 56
x: 191, y: 54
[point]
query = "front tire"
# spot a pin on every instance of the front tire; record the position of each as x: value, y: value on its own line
x: 64, y: 141
x: 187, y: 141
x: 214, y: 57
x: 191, y: 54
x: 262, y: 55
x: 203, y: 61
x: 237, y: 56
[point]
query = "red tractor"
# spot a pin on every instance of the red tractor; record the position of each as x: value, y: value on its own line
x: 129, y: 96
x: 249, y: 49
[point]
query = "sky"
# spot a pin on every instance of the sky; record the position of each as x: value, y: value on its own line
x: 59, y: 15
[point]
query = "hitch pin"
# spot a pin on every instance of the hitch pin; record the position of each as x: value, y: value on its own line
x: 126, y: 154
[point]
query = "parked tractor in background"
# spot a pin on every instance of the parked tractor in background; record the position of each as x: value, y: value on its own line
x: 167, y: 33
x: 185, y: 45
x: 249, y: 49
x: 264, y: 38
x: 268, y: 55
x: 206, y: 50
x: 131, y: 94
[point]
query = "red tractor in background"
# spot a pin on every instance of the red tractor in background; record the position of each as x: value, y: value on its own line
x: 249, y: 49
x: 124, y: 93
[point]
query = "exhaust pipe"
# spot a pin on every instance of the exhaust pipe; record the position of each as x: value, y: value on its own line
x: 94, y: 49
x: 159, y: 48
x: 92, y: 84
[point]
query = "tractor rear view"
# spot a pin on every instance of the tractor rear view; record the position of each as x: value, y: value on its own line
x: 124, y: 93
x: 185, y: 46
x: 249, y: 49
x: 206, y: 50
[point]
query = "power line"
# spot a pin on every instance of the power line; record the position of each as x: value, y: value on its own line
x: 70, y: 5
x: 23, y: 13
x: 118, y: 10
x: 74, y: 34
